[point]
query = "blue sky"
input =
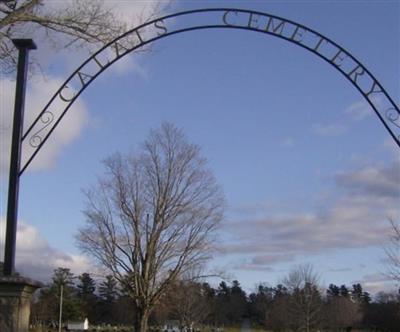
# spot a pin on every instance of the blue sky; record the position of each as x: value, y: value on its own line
x: 309, y: 173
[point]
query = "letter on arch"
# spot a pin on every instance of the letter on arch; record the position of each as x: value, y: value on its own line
x: 224, y: 18
x: 160, y: 25
x: 63, y: 98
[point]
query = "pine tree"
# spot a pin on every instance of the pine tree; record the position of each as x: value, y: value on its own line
x: 357, y: 293
x: 88, y: 300
x: 87, y: 285
x: 344, y: 291
x: 64, y: 278
x: 108, y: 290
x: 333, y: 291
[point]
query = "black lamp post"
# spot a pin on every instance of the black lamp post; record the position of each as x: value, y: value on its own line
x: 23, y: 45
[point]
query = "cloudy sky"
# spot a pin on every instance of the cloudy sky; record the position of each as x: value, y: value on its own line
x: 309, y: 173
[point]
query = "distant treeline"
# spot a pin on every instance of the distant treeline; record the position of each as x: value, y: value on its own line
x: 295, y: 305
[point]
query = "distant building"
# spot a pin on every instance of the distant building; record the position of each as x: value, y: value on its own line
x: 78, y: 325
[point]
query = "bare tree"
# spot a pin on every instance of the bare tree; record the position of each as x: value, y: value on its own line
x: 188, y: 303
x: 152, y: 217
x: 75, y: 22
x: 188, y: 299
x: 300, y: 276
x: 305, y: 301
x: 393, y: 251
x: 342, y: 312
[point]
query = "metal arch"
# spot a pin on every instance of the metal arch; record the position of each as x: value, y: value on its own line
x: 389, y: 114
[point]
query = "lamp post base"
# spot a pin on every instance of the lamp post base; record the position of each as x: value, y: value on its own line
x: 15, y: 302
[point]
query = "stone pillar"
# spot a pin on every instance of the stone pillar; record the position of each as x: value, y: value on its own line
x: 15, y: 302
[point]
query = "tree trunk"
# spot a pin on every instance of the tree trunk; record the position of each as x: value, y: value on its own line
x: 142, y: 317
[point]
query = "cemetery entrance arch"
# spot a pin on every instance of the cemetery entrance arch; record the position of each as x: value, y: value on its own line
x: 335, y: 55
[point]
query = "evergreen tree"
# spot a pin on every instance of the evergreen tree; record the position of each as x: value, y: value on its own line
x: 260, y: 303
x: 277, y: 316
x: 223, y: 289
x: 366, y: 298
x: 237, y: 303
x: 280, y: 290
x: 357, y: 293
x: 86, y: 288
x: 108, y: 290
x: 222, y: 300
x: 63, y: 276
x: 333, y: 291
x: 63, y: 282
x: 344, y: 291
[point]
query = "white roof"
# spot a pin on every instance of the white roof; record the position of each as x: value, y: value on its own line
x: 78, y: 325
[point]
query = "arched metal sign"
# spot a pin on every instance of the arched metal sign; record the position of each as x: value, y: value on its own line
x: 215, y: 18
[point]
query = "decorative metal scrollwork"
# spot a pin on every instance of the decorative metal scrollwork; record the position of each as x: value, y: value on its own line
x: 393, y: 115
x: 46, y: 119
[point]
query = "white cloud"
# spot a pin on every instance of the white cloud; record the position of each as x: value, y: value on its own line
x: 373, y: 180
x: 391, y: 146
x: 356, y: 111
x: 356, y: 218
x: 377, y: 282
x: 288, y: 142
x: 38, y: 93
x: 250, y: 267
x: 361, y: 109
x: 329, y: 129
x: 130, y: 14
x: 36, y: 259
x: 135, y: 12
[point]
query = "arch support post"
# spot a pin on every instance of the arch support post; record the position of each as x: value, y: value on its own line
x: 16, y: 291
x: 24, y: 46
x: 15, y: 303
